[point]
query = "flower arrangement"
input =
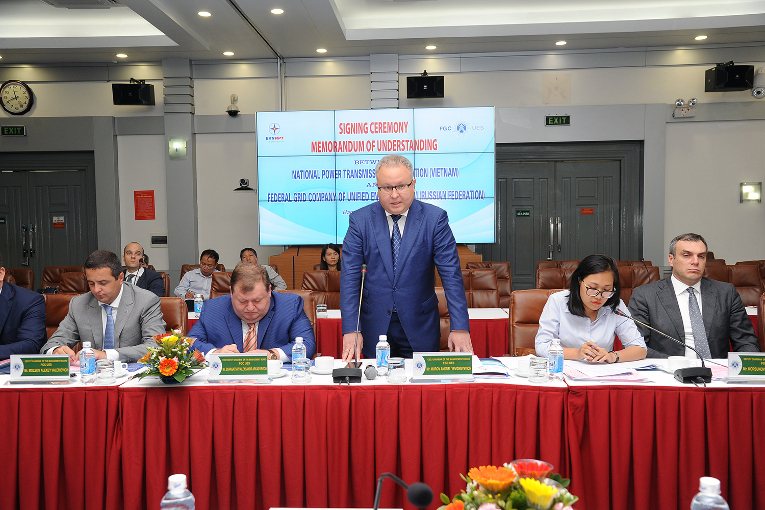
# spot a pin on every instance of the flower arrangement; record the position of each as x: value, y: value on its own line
x: 501, y: 488
x: 172, y: 358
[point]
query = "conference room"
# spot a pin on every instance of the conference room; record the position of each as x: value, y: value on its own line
x: 605, y: 137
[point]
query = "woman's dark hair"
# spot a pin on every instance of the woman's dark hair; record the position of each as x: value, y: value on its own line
x: 592, y: 264
x: 323, y: 262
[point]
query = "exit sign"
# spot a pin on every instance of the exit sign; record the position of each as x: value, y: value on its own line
x: 14, y: 130
x: 558, y: 120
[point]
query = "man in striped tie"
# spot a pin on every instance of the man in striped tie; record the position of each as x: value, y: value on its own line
x: 139, y: 275
x: 253, y: 319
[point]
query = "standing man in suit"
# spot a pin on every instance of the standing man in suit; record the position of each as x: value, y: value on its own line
x: 401, y: 240
x: 706, y: 314
x: 253, y: 319
x: 22, y: 319
x: 137, y: 274
x: 118, y: 320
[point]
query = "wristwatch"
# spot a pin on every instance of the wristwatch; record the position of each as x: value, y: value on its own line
x: 272, y: 354
x: 617, y: 356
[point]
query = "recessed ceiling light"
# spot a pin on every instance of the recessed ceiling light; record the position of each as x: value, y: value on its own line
x: 277, y: 11
x: 121, y: 55
x: 321, y: 50
x: 700, y: 37
x: 228, y: 53
x: 560, y: 43
x: 430, y: 47
x: 204, y: 14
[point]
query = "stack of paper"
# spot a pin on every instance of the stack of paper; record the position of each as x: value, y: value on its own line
x: 489, y: 368
x: 585, y: 371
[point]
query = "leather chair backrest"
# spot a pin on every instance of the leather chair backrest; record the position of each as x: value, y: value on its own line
x: 166, y: 281
x: 221, y: 284
x: 9, y: 278
x: 761, y: 323
x: 760, y: 265
x: 632, y: 263
x: 716, y: 262
x: 631, y: 277
x: 744, y: 277
x: 557, y: 264
x: 22, y: 276
x: 525, y: 309
x: 504, y: 279
x: 481, y: 289
x: 185, y: 268
x: 175, y: 314
x: 52, y: 274
x: 56, y: 308
x: 554, y: 278
x: 73, y: 283
x: 309, y: 305
x: 325, y: 286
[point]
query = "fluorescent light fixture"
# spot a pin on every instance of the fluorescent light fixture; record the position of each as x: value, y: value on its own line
x: 700, y: 37
x: 751, y: 192
x: 204, y: 14
x: 121, y: 55
x: 321, y: 50
x: 430, y: 47
x: 560, y: 43
x: 277, y: 11
x: 228, y: 53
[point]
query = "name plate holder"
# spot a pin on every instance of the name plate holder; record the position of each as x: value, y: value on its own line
x: 442, y: 367
x: 39, y: 368
x: 746, y: 367
x: 233, y: 367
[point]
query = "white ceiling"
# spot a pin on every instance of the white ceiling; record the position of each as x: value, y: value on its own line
x: 149, y: 30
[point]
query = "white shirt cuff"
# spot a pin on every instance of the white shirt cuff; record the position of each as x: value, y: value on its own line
x: 283, y: 357
x: 112, y: 354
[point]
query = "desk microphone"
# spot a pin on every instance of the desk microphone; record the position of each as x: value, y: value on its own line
x: 647, y: 271
x: 689, y: 375
x: 351, y: 373
x: 418, y: 494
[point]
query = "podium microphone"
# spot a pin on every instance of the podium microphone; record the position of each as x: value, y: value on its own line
x: 647, y: 271
x: 418, y: 494
x: 694, y: 375
x: 351, y: 373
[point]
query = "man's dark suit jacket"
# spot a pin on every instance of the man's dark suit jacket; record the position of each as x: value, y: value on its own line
x: 149, y: 280
x: 725, y: 318
x: 22, y: 321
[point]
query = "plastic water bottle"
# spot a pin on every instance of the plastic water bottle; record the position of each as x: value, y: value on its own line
x: 298, y: 349
x: 87, y: 364
x: 198, y: 303
x: 709, y: 496
x: 301, y: 365
x: 555, y: 360
x: 383, y: 353
x: 178, y: 496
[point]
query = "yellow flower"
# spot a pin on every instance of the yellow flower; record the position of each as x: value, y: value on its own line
x: 492, y: 478
x: 538, y: 493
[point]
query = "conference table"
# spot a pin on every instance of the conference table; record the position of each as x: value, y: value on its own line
x: 641, y: 446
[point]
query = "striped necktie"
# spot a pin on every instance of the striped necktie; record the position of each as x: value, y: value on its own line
x: 251, y: 339
x: 109, y: 332
x: 395, y: 240
x: 697, y: 326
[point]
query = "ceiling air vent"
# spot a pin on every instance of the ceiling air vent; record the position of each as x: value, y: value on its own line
x: 83, y: 4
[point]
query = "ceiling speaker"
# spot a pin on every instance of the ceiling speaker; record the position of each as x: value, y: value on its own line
x: 728, y: 77
x: 424, y: 86
x: 133, y: 93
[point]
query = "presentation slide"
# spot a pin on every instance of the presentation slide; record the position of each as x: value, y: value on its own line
x: 316, y: 167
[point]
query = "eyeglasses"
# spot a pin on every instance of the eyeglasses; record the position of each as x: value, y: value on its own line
x: 389, y: 189
x: 595, y: 292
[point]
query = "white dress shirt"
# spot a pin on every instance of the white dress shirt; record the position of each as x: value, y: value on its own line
x: 681, y: 293
x: 401, y: 223
x: 137, y: 274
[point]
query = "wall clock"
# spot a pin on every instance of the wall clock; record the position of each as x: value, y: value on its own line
x: 16, y: 97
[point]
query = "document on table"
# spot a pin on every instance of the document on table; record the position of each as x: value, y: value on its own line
x: 600, y: 369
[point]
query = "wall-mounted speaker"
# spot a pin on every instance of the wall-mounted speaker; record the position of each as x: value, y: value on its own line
x: 424, y: 86
x: 133, y: 93
x: 728, y: 77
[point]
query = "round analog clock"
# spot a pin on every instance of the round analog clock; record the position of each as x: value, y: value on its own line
x: 16, y: 97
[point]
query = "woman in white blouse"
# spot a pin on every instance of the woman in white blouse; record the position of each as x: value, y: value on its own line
x: 585, y: 317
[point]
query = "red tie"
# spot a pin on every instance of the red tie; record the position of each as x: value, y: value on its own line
x: 250, y: 339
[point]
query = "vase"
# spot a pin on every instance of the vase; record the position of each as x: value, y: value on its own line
x: 168, y: 379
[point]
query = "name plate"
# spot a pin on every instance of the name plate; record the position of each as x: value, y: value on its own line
x: 440, y: 365
x: 238, y: 366
x: 746, y: 364
x: 32, y: 368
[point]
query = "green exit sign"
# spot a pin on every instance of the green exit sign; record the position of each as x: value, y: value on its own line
x: 14, y: 130
x: 558, y: 120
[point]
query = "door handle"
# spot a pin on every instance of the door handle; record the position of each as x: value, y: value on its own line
x: 560, y: 232
x: 552, y: 241
x: 24, y: 245
x: 32, y: 233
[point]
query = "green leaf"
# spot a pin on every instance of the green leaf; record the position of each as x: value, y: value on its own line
x: 445, y: 499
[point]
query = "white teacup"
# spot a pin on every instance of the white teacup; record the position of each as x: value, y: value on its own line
x: 120, y: 369
x: 522, y: 368
x: 678, y: 362
x: 274, y: 366
x: 324, y: 363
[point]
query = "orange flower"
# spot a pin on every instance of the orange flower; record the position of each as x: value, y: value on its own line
x: 168, y: 366
x: 455, y: 505
x: 199, y: 356
x: 144, y: 359
x: 492, y: 478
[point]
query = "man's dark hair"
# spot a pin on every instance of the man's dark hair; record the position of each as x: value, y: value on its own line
x: 241, y: 253
x: 247, y: 275
x: 685, y: 237
x: 104, y: 258
x: 592, y: 264
x: 210, y: 253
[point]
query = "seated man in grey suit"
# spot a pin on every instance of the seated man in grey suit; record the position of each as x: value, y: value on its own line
x: 118, y: 320
x: 705, y: 314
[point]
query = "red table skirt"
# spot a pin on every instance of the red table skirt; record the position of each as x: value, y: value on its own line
x: 489, y: 337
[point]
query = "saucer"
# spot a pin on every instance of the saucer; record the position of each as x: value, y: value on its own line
x: 280, y: 373
x: 316, y: 371
x: 521, y: 374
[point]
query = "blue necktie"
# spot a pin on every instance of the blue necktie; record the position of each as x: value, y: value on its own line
x: 109, y: 333
x: 697, y: 326
x: 395, y: 240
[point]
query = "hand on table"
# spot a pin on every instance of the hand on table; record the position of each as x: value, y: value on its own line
x: 592, y: 353
x: 459, y: 341
x: 348, y: 352
x: 68, y: 351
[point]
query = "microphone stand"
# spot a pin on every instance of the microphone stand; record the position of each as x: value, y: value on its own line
x: 689, y: 375
x: 418, y: 494
x: 647, y: 271
x: 351, y: 373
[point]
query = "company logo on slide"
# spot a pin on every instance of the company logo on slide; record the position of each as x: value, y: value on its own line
x: 461, y: 127
x: 274, y: 130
